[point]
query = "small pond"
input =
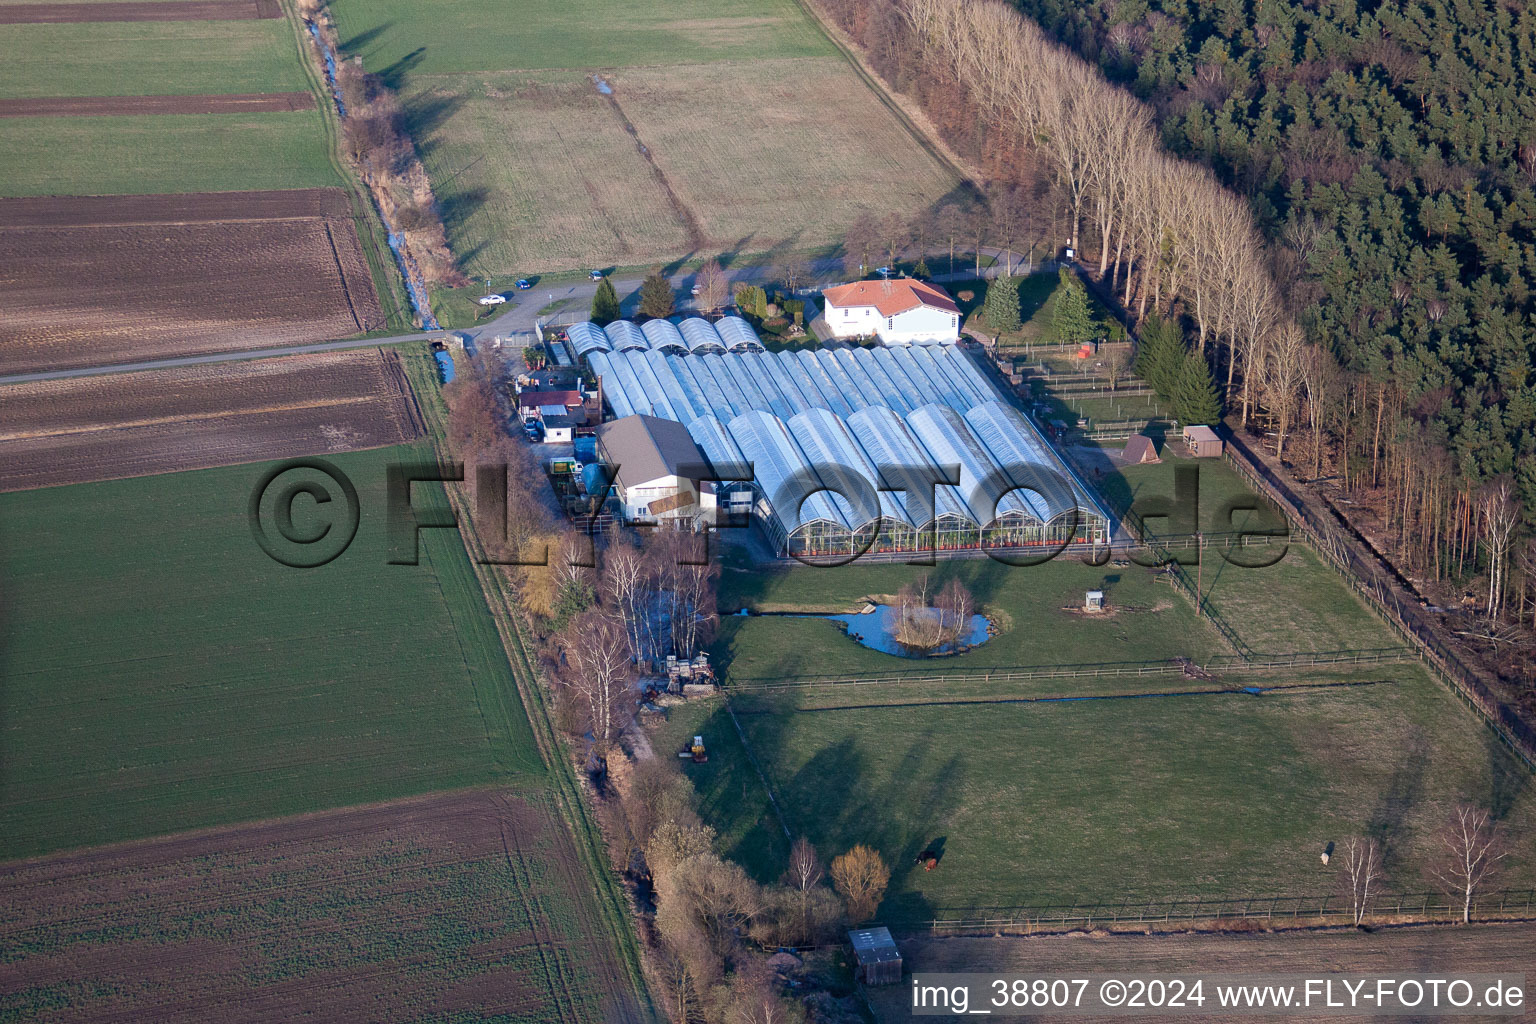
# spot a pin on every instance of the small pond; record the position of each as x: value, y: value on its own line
x: 876, y: 630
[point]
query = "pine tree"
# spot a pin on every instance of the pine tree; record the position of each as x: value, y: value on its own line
x: 1160, y: 355
x: 921, y: 270
x: 605, y: 304
x: 1073, y: 319
x: 1194, y: 396
x: 656, y: 298
x: 1000, y: 309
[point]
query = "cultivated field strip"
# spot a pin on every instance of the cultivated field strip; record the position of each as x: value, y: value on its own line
x: 147, y: 10
x: 104, y: 279
x: 193, y: 417
x: 457, y: 905
x: 102, y: 106
x: 1389, y: 951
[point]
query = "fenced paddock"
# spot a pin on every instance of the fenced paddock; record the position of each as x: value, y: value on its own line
x: 1367, y: 579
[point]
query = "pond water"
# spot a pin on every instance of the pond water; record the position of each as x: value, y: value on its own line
x: 877, y: 631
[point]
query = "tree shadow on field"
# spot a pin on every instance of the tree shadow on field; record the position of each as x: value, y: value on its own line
x: 1507, y: 778
x: 426, y: 113
x: 395, y: 74
x: 457, y: 207
x: 366, y: 37
x: 1402, y: 794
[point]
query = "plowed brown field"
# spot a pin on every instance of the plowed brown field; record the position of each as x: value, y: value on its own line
x: 461, y: 906
x: 104, y: 106
x: 95, y: 280
x: 192, y: 417
x: 149, y: 10
x: 1424, y: 952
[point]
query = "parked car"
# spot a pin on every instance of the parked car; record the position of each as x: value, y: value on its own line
x: 596, y: 275
x: 494, y: 299
x: 523, y: 284
x: 696, y: 289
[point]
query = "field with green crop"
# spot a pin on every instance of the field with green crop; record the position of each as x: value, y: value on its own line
x: 401, y: 38
x: 164, y: 153
x: 162, y: 673
x: 733, y: 127
x: 149, y: 58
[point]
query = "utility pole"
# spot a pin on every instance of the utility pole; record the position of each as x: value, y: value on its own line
x: 1199, y: 574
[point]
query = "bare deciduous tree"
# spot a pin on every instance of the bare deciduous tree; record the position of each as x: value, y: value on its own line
x: 714, y: 287
x: 804, y: 874
x: 1361, y: 875
x: 599, y: 672
x: 1284, y: 371
x: 1499, y: 514
x: 861, y: 876
x: 1472, y: 854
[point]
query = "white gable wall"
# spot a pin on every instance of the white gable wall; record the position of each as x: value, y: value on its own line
x: 919, y: 325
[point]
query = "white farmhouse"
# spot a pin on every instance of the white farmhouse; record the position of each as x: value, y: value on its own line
x: 899, y: 312
x: 658, y: 469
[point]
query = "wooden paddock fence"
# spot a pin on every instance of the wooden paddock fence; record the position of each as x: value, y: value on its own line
x: 1102, y: 670
x: 1366, y: 577
x: 1335, y: 909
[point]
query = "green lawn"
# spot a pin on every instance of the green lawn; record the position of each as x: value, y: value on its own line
x: 1160, y: 797
x: 1030, y: 603
x: 1037, y: 305
x: 165, y: 153
x: 148, y: 58
x: 161, y: 673
x: 399, y: 37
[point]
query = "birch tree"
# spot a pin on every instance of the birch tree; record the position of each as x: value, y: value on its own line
x: 1472, y: 854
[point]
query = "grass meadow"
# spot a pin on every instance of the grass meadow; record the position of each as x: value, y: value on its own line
x: 1159, y: 797
x: 149, y: 58
x: 161, y: 673
x: 756, y: 133
x: 540, y: 170
x: 1167, y: 788
x: 48, y: 156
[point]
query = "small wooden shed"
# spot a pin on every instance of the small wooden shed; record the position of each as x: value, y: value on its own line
x: 1141, y: 450
x: 879, y: 961
x: 1203, y: 442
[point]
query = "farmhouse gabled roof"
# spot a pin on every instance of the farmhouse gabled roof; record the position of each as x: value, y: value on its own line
x: 890, y: 297
x: 530, y: 398
x: 646, y: 448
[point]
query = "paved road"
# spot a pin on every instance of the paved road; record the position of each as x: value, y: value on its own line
x: 521, y: 319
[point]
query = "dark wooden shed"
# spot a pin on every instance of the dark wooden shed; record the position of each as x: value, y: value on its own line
x: 879, y: 961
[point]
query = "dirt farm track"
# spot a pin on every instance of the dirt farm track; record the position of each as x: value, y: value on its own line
x: 193, y: 417
x: 145, y: 10
x: 95, y: 280
x: 461, y: 906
